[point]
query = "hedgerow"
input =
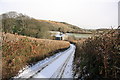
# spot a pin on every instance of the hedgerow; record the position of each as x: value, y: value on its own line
x: 99, y: 56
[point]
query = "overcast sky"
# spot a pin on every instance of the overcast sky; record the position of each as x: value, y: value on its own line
x: 83, y: 13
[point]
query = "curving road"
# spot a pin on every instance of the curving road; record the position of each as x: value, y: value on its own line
x: 57, y: 66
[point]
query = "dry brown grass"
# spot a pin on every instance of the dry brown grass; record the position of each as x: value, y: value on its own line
x: 19, y: 51
x: 55, y: 24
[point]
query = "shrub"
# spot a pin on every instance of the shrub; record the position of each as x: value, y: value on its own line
x: 99, y: 56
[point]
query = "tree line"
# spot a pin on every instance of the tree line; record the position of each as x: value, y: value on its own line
x: 13, y: 22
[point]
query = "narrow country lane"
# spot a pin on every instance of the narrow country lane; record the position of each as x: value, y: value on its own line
x: 59, y: 65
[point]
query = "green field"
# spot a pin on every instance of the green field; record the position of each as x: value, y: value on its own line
x: 79, y: 35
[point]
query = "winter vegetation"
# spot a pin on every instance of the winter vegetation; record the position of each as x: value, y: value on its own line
x: 19, y: 51
x: 99, y: 56
x: 13, y: 22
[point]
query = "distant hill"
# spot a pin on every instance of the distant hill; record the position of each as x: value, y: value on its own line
x: 13, y: 22
x: 60, y: 26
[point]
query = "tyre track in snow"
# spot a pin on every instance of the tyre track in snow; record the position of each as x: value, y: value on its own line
x: 60, y: 70
x: 47, y: 64
x: 65, y: 65
x: 23, y: 75
x: 34, y: 73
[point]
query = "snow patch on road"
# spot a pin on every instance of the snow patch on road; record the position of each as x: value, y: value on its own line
x: 68, y: 73
x: 50, y: 67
